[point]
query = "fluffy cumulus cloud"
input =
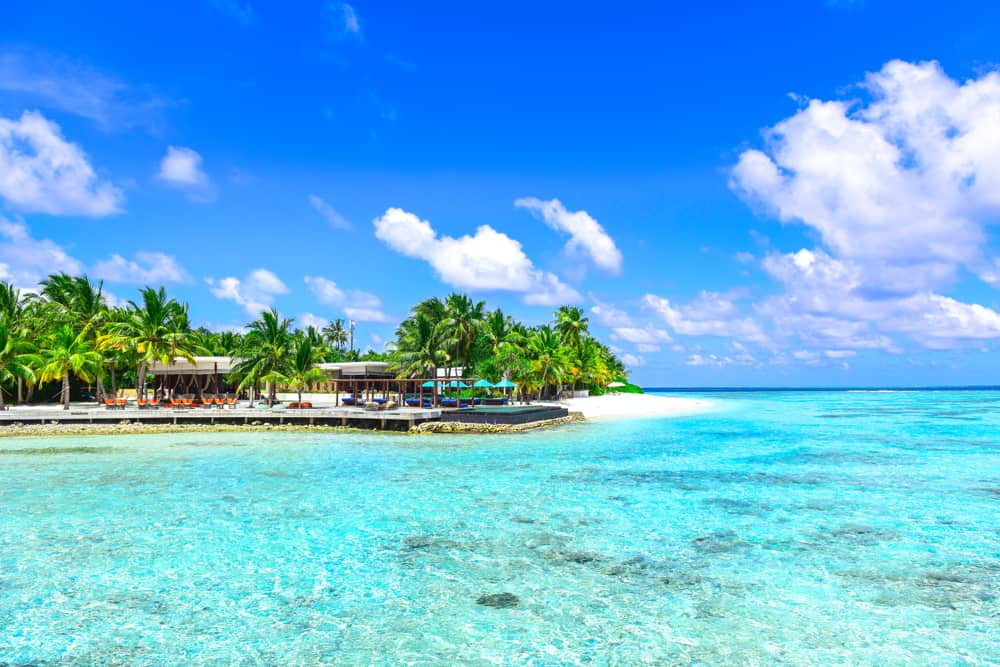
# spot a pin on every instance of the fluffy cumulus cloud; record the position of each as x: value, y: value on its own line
x: 356, y: 304
x: 710, y: 314
x: 646, y: 339
x: 332, y: 217
x: 41, y: 172
x: 25, y: 260
x: 609, y: 315
x: 255, y: 292
x: 899, y: 188
x: 632, y: 361
x: 311, y: 320
x: 587, y: 236
x: 486, y: 260
x: 147, y: 268
x: 181, y: 168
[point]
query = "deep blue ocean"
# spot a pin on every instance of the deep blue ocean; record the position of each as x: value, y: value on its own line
x: 798, y: 528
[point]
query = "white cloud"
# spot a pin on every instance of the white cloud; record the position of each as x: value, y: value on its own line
x: 826, y: 303
x: 332, y: 217
x: 32, y: 77
x: 608, y: 315
x: 900, y: 188
x: 487, y: 260
x: 632, y: 361
x: 710, y: 314
x: 41, y: 172
x: 342, y: 18
x: 311, y: 320
x: 356, y: 304
x: 26, y: 261
x: 255, y: 293
x: 148, y: 268
x: 645, y: 339
x: 587, y: 236
x: 715, y: 361
x: 181, y: 168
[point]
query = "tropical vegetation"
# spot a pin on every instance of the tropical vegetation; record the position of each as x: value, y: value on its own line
x: 67, y: 339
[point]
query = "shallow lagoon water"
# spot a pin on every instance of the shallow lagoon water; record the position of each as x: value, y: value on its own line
x: 780, y: 528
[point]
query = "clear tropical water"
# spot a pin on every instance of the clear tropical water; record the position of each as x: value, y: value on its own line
x: 796, y: 528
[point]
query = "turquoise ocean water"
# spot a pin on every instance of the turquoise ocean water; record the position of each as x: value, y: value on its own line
x: 779, y: 528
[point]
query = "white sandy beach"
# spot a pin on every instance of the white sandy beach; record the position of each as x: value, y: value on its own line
x: 622, y: 406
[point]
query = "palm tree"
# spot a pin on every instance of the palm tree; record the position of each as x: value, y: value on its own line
x: 16, y: 358
x: 547, y: 358
x: 591, y: 364
x: 15, y: 312
x: 301, y: 372
x: 463, y: 320
x: 266, y: 352
x: 158, y: 330
x: 336, y: 334
x: 571, y: 325
x: 76, y: 301
x: 504, y: 340
x: 419, y: 351
x: 66, y: 352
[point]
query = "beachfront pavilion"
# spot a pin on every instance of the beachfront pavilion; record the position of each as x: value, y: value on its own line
x: 348, y: 383
x: 207, y: 375
x: 354, y: 383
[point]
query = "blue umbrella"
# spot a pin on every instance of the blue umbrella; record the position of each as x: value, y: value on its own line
x: 429, y: 383
x: 456, y: 383
x: 483, y: 383
x: 505, y: 384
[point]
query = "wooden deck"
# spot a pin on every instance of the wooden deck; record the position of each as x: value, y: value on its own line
x: 386, y: 420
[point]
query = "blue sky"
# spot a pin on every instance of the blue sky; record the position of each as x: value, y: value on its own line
x: 794, y: 194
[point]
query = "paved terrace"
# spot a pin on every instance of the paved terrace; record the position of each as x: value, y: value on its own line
x: 399, y: 419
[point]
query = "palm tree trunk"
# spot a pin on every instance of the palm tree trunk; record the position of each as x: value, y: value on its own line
x: 65, y: 391
x: 140, y: 378
x: 20, y: 391
x: 2, y: 406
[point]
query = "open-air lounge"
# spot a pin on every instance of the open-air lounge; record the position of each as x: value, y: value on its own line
x: 371, y: 385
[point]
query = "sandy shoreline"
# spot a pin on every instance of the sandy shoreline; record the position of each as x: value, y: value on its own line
x: 635, y: 406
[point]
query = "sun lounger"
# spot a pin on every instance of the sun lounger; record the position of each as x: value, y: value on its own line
x: 348, y: 400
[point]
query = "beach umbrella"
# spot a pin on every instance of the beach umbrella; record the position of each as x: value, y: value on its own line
x: 456, y: 383
x: 482, y: 384
x: 429, y: 383
x: 506, y: 384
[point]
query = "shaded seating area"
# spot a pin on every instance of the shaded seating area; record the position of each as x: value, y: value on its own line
x: 420, y: 393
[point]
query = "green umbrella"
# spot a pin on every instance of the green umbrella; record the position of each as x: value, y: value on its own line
x: 483, y: 383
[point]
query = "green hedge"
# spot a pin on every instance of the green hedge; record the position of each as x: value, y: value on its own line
x: 627, y: 389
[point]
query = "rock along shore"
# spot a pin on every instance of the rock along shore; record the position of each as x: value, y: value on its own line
x: 459, y: 427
